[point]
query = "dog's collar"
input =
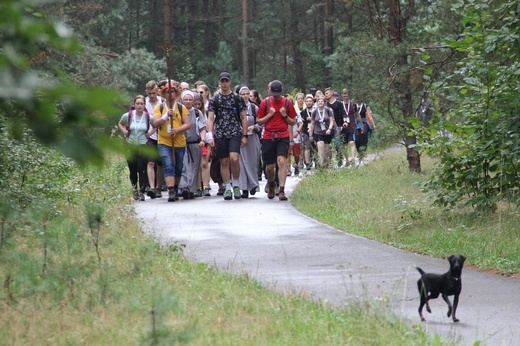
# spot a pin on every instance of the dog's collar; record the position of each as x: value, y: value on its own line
x: 456, y: 279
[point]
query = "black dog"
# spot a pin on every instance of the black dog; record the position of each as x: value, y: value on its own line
x: 447, y: 284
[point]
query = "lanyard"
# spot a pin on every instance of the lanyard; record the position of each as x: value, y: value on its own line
x: 138, y: 126
x: 346, y: 109
x: 322, y: 115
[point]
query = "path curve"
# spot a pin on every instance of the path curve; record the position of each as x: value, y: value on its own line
x: 288, y: 251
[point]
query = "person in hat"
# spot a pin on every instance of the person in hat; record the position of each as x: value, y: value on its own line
x: 278, y: 115
x: 172, y: 119
x: 227, y: 133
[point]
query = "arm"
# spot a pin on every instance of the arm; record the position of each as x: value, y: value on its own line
x: 289, y: 120
x: 122, y: 127
x: 243, y: 117
x: 262, y: 121
x: 311, y: 131
x: 209, y: 127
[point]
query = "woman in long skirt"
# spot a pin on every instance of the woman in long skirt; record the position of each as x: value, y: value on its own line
x: 250, y: 154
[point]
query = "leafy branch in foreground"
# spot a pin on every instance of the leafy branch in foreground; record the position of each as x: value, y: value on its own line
x: 57, y: 111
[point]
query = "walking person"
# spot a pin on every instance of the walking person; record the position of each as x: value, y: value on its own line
x: 154, y: 169
x: 204, y: 173
x: 337, y: 109
x: 195, y: 141
x: 277, y: 115
x: 308, y: 147
x: 172, y: 120
x: 227, y: 133
x: 367, y: 124
x: 322, y: 123
x: 249, y: 155
x: 137, y: 126
x: 349, y: 126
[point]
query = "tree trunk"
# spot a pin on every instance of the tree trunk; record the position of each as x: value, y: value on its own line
x: 295, y: 39
x: 245, y: 51
x: 328, y: 35
x: 402, y: 84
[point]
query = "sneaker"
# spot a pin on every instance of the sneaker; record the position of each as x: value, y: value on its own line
x: 206, y: 193
x: 281, y: 196
x: 228, y: 195
x: 271, y: 190
x: 221, y: 191
x: 186, y: 193
x: 135, y: 195
x: 245, y: 194
x: 289, y: 173
x: 198, y: 193
x: 158, y: 193
x: 141, y: 197
x: 237, y: 193
x: 296, y: 171
x: 151, y: 193
x: 172, y: 196
x: 253, y: 191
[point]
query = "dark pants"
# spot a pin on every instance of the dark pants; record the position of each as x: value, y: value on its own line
x: 137, y: 163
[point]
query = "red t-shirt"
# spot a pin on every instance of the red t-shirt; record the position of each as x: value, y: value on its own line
x: 276, y: 127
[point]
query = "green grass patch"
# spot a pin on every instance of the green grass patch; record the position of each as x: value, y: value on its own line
x: 382, y: 201
x: 78, y: 270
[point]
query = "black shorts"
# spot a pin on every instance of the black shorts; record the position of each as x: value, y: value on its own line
x: 348, y: 135
x: 156, y: 159
x: 224, y: 146
x: 272, y: 148
x: 325, y: 138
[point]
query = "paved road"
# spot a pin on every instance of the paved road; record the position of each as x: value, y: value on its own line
x: 276, y: 245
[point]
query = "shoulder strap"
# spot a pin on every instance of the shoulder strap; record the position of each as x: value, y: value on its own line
x: 266, y: 110
x: 129, y: 120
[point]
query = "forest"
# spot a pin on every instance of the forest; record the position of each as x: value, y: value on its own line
x: 442, y: 77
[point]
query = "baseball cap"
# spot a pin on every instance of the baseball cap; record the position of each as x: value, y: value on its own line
x: 276, y: 88
x: 224, y: 75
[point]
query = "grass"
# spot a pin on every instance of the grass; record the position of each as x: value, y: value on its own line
x: 81, y: 272
x: 382, y: 201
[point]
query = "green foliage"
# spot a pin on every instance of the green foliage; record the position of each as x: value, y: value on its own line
x: 477, y: 140
x: 387, y: 204
x: 57, y: 112
x: 133, y: 69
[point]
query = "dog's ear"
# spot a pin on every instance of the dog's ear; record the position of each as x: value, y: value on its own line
x: 463, y: 258
x: 451, y: 258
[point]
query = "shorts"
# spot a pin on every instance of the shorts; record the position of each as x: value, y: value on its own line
x: 273, y: 148
x: 348, y: 135
x: 156, y: 158
x: 322, y: 138
x: 205, y: 150
x: 295, y: 150
x: 224, y: 146
x: 171, y: 170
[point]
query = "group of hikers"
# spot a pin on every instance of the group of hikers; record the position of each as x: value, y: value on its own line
x: 233, y: 136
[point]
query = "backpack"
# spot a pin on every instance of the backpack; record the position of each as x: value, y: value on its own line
x: 147, y: 115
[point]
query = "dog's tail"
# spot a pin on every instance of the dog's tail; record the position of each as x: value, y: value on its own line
x: 420, y: 270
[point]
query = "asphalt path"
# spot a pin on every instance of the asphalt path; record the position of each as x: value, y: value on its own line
x: 270, y: 241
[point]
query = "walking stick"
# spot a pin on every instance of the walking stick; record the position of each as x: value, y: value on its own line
x: 167, y: 48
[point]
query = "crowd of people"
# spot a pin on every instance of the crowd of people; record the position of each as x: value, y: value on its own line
x: 235, y: 136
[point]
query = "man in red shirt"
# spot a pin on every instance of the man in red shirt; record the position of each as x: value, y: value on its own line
x: 277, y: 115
